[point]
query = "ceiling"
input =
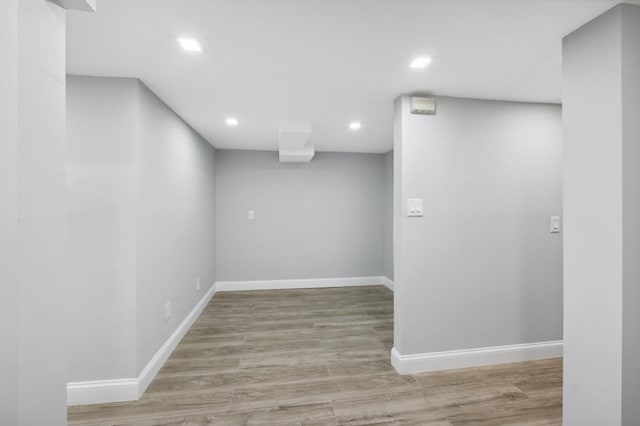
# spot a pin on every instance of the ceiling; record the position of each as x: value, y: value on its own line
x: 329, y: 62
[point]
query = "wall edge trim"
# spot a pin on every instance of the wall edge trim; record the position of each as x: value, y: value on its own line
x: 299, y: 284
x: 477, y: 357
x: 100, y: 391
x: 388, y: 283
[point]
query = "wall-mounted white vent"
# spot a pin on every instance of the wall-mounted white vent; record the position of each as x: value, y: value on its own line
x: 426, y: 106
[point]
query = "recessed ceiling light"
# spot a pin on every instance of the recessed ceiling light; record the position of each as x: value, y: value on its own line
x: 355, y: 125
x: 190, y: 44
x: 419, y: 63
x: 232, y: 122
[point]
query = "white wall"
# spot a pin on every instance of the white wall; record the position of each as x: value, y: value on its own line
x: 176, y: 198
x: 323, y: 219
x: 388, y: 215
x: 38, y: 158
x: 602, y: 207
x: 480, y: 268
x: 9, y: 211
x: 101, y: 221
x: 631, y: 215
x: 141, y: 188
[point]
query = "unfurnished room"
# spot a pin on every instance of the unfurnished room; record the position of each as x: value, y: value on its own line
x: 320, y: 212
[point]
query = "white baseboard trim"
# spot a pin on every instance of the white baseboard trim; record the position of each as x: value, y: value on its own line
x: 451, y: 360
x: 388, y: 283
x: 118, y: 390
x: 303, y: 283
x: 151, y: 369
x: 102, y: 391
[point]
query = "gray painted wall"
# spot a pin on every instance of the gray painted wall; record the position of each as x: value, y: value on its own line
x: 9, y: 212
x: 602, y: 207
x: 480, y: 268
x: 102, y: 123
x: 323, y: 219
x: 388, y: 215
x: 141, y: 189
x: 176, y: 196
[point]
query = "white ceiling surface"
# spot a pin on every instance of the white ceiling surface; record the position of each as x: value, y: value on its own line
x: 329, y: 62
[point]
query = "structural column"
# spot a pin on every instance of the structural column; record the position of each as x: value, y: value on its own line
x: 8, y: 212
x: 601, y: 119
x: 41, y: 214
x: 32, y: 214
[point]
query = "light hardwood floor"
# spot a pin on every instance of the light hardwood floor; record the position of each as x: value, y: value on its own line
x: 321, y: 357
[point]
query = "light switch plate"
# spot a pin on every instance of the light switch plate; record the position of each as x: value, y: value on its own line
x: 414, y: 207
x: 555, y: 225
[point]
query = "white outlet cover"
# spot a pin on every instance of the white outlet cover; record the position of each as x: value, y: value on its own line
x: 167, y: 311
x: 251, y: 215
x: 198, y: 284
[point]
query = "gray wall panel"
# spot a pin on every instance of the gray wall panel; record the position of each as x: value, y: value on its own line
x: 480, y: 268
x: 323, y: 219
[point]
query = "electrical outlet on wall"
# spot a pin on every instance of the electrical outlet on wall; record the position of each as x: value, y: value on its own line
x: 198, y: 284
x: 167, y: 311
